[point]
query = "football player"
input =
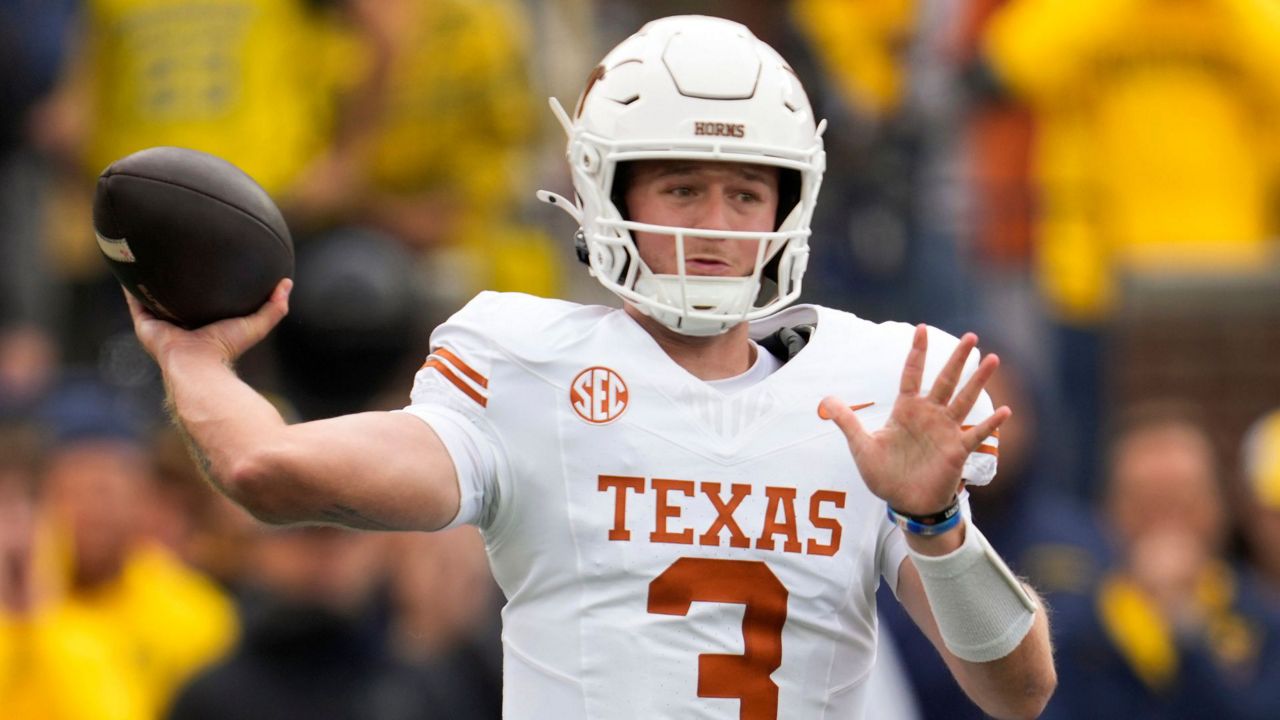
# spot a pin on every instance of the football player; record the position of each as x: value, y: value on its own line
x: 688, y: 501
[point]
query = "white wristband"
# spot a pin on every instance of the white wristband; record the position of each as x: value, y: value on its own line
x: 982, y: 611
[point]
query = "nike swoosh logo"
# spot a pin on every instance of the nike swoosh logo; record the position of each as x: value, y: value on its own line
x: 860, y: 406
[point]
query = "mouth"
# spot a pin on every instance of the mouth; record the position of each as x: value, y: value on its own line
x: 706, y: 266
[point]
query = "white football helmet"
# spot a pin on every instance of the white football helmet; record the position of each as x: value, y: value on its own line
x: 698, y: 88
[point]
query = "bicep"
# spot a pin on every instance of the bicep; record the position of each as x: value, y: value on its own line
x: 372, y: 471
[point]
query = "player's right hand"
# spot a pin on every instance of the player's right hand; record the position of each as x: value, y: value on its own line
x: 226, y: 339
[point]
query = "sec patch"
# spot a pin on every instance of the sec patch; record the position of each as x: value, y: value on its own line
x: 598, y: 395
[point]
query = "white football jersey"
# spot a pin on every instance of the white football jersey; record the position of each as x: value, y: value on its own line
x: 668, y: 550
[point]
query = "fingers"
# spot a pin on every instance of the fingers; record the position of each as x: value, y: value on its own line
x: 913, y: 368
x: 945, y: 384
x: 835, y: 410
x: 964, y: 400
x: 229, y: 338
x: 974, y: 436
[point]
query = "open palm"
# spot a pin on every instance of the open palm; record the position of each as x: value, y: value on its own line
x: 915, y: 461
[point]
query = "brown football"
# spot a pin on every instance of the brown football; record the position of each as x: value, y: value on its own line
x: 190, y: 235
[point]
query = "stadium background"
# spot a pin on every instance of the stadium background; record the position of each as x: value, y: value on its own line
x: 1091, y: 185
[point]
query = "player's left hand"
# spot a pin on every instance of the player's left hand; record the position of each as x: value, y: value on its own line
x: 915, y: 461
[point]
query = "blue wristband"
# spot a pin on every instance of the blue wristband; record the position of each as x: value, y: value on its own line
x: 934, y: 524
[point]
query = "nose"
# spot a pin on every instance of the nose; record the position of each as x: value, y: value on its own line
x: 714, y: 213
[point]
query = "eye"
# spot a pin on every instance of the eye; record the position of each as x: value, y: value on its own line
x: 680, y: 191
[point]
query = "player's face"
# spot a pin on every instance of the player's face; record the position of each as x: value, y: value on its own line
x: 702, y: 195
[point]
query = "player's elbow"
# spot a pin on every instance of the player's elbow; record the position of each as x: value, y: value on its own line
x: 1036, y: 698
x: 259, y: 481
x: 1029, y: 699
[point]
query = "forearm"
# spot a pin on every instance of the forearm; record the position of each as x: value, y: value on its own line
x: 1017, y: 685
x: 371, y: 471
x: 991, y: 630
x: 224, y: 420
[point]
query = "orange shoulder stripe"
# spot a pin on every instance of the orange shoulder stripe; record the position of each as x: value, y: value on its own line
x: 457, y: 381
x: 466, y: 369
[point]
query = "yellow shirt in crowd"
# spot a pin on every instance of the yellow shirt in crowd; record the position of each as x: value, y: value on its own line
x: 1156, y: 135
x: 118, y: 653
x: 243, y: 79
x: 861, y: 46
x: 460, y: 119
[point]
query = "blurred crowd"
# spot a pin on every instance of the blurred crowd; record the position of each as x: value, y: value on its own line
x: 1091, y: 185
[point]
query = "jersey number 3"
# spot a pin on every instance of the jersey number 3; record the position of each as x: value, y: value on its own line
x: 750, y: 583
